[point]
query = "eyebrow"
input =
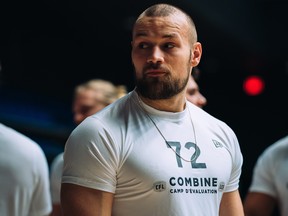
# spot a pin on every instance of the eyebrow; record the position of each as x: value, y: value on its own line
x: 144, y: 34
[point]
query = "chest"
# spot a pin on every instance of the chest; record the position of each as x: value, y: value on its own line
x: 176, y: 152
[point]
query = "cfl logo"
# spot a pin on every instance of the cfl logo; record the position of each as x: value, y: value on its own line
x: 159, y: 186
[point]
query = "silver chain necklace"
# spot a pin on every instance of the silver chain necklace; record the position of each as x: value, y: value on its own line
x: 159, y: 131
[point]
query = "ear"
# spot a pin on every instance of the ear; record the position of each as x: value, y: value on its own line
x: 197, y: 53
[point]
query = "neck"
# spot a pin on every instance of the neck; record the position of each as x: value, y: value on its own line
x: 176, y: 103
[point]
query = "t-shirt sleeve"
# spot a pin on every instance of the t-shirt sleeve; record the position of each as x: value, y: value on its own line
x: 237, y: 161
x: 91, y: 157
x: 262, y: 178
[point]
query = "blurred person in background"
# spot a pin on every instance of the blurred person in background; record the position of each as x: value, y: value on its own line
x: 94, y: 95
x: 24, y: 176
x: 89, y: 98
x: 193, y: 93
x: 268, y: 192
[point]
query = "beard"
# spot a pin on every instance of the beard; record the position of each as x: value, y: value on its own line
x: 163, y: 87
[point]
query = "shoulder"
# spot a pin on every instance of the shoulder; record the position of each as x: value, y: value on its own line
x: 208, y: 120
x: 57, y: 162
x: 280, y: 145
x: 276, y: 151
x: 220, y: 132
x: 19, y: 143
x: 14, y: 137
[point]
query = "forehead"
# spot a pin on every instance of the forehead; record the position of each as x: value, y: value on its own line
x: 168, y: 26
x: 84, y: 95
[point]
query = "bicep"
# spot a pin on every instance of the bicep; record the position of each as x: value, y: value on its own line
x: 79, y: 200
x: 257, y: 204
x: 231, y: 204
x: 56, y: 210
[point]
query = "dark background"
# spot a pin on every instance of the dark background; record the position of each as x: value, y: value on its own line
x: 48, y: 47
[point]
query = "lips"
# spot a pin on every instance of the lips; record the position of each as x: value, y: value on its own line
x: 155, y: 73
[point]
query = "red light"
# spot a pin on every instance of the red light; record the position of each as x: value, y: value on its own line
x: 253, y: 85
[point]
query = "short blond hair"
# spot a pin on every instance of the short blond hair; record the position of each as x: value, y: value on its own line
x: 105, y: 91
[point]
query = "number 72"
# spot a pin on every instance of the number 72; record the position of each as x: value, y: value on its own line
x: 193, y: 158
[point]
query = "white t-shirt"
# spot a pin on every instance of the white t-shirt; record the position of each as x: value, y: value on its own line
x: 55, y: 178
x: 24, y: 179
x: 120, y: 150
x: 270, y: 174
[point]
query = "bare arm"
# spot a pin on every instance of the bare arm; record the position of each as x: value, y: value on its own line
x: 80, y: 201
x: 231, y: 204
x: 259, y: 204
x: 56, y: 210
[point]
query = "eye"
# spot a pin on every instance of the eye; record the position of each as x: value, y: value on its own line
x: 169, y: 45
x: 192, y: 92
x: 142, y: 45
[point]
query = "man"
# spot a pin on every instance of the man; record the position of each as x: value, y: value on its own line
x: 89, y: 98
x: 24, y: 176
x: 269, y: 187
x: 193, y: 93
x: 152, y: 152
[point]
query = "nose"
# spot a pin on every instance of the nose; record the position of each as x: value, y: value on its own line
x: 156, y: 56
x: 202, y: 101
